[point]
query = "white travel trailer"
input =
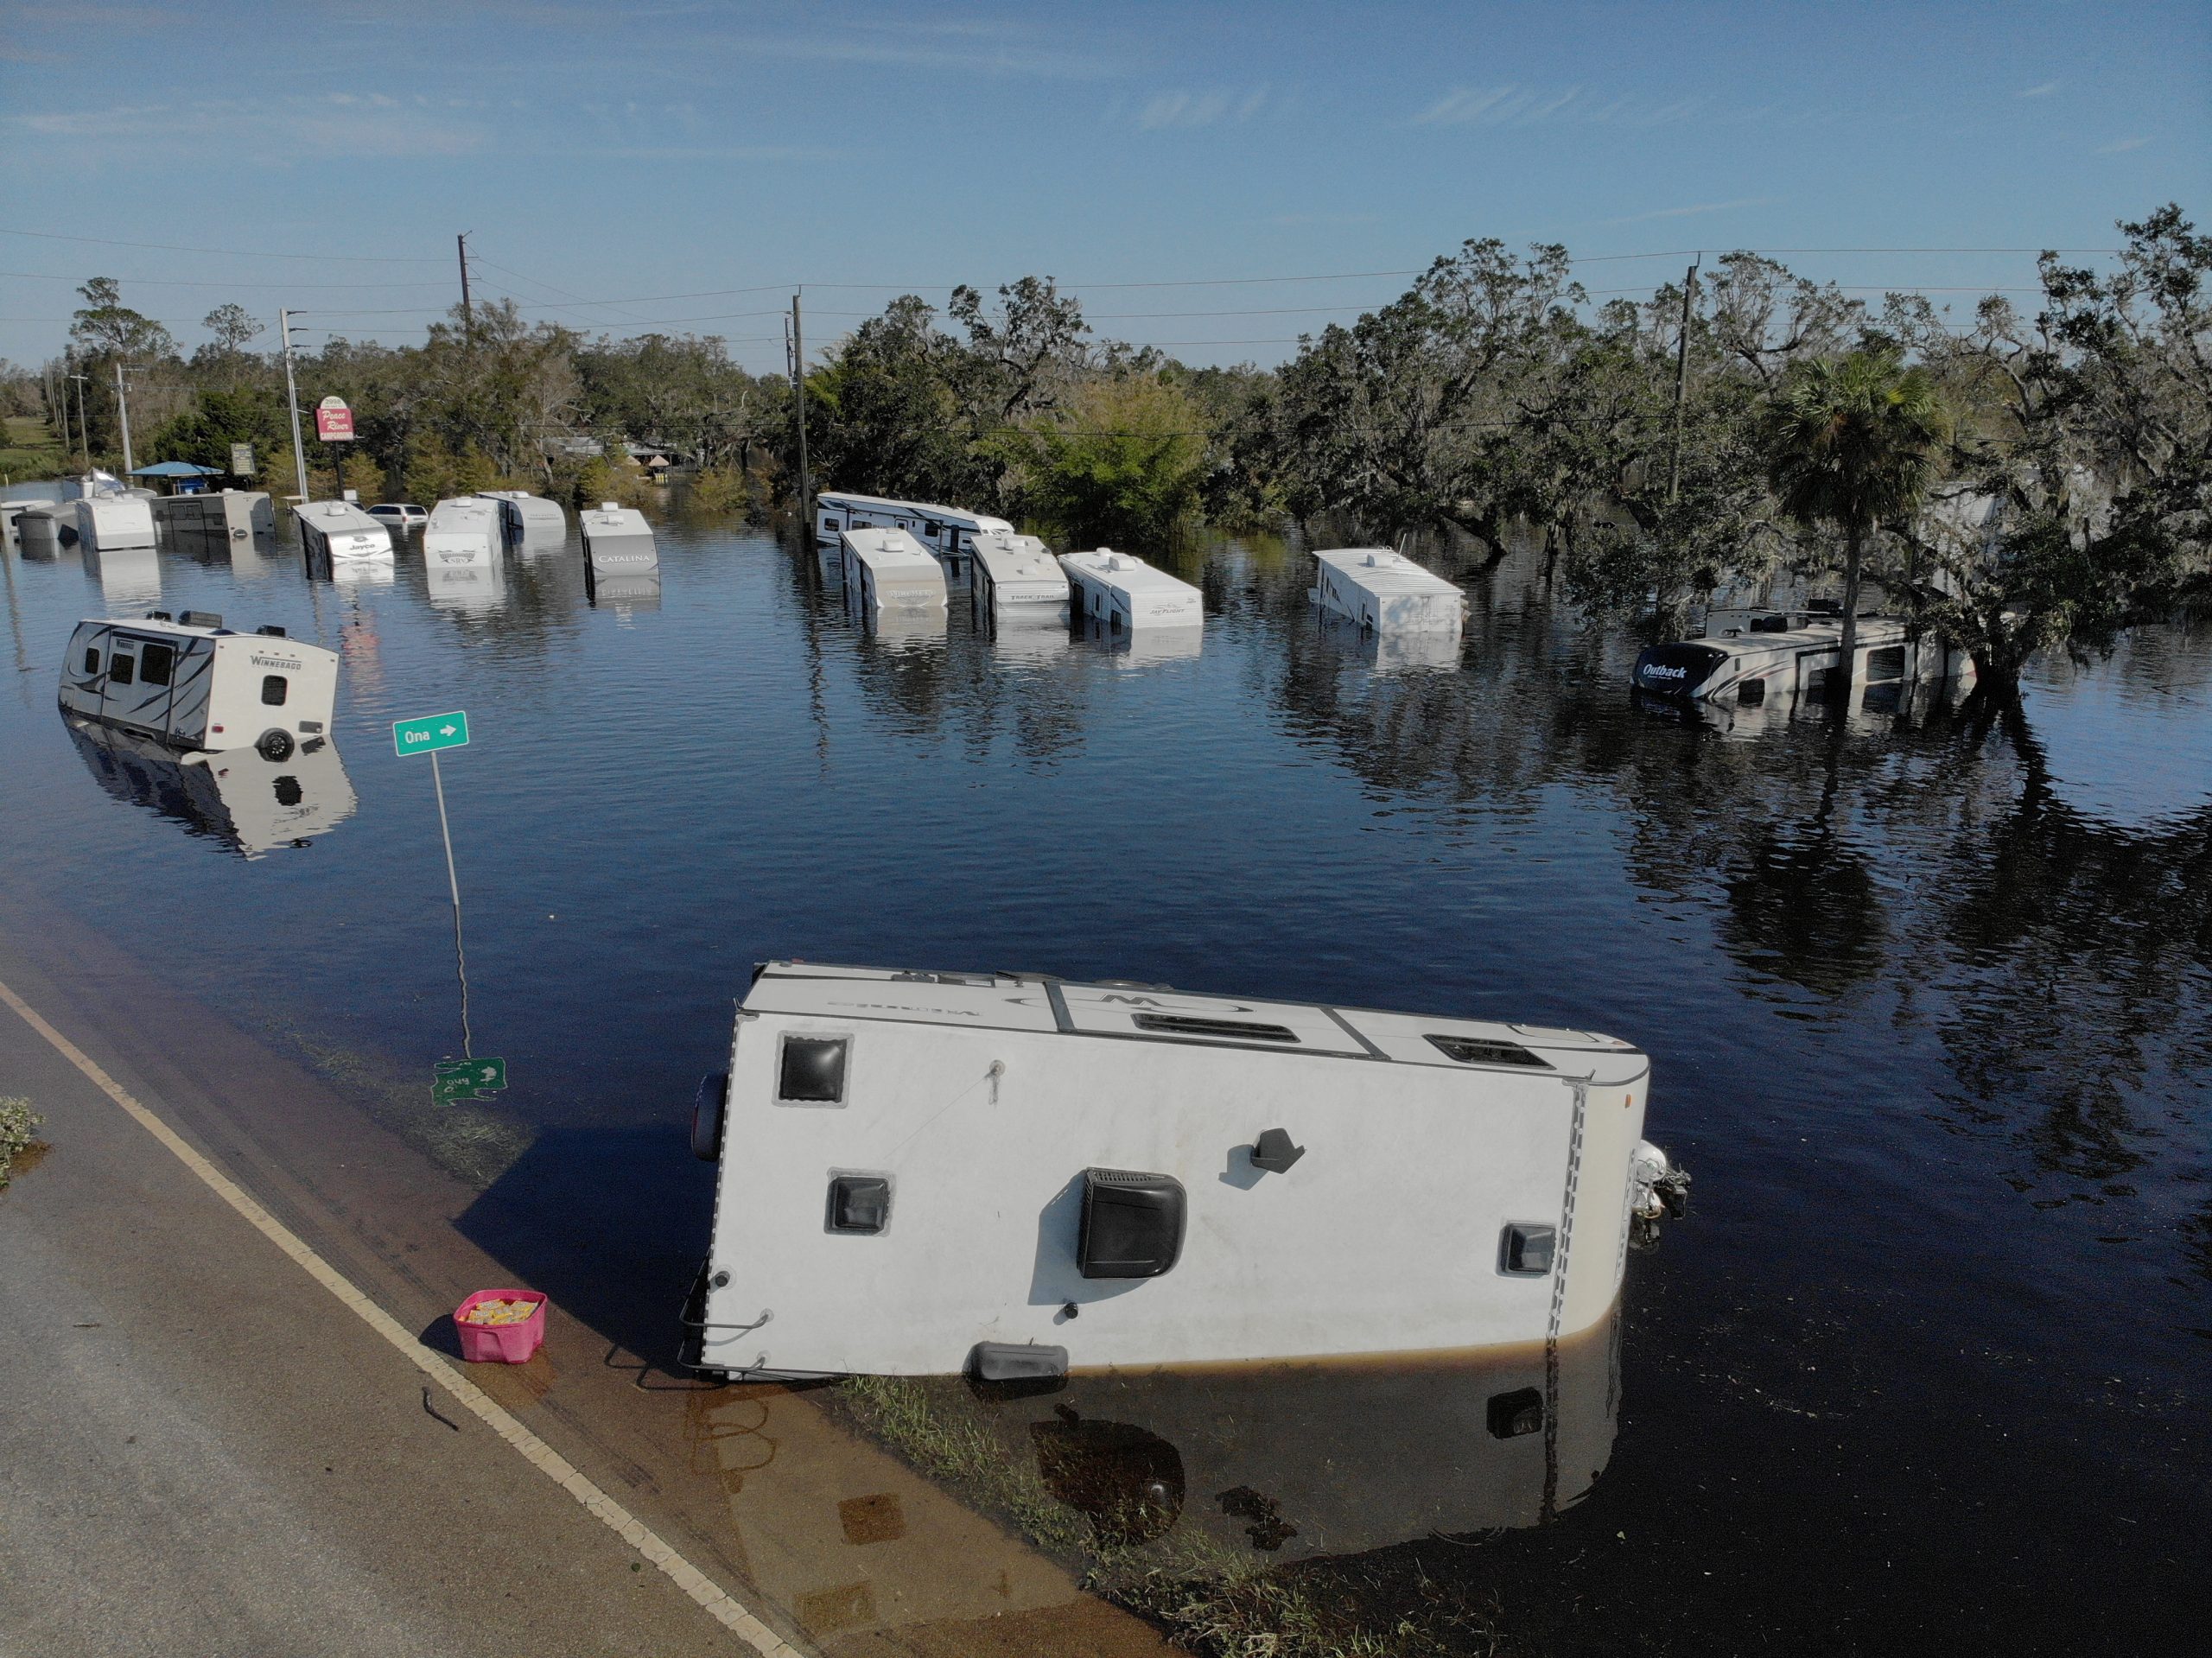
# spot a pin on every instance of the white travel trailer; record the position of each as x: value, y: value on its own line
x: 949, y: 532
x: 1017, y: 1175
x: 330, y: 531
x: 193, y: 684
x: 524, y: 517
x: 1387, y: 593
x: 462, y: 533
x: 113, y: 522
x: 1788, y: 658
x: 222, y: 514
x: 618, y: 540
x: 889, y: 570
x: 251, y: 803
x: 1016, y: 577
x: 1126, y: 594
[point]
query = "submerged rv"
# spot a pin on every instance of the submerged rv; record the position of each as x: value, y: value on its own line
x: 618, y: 540
x: 888, y: 570
x: 1016, y: 576
x: 251, y: 803
x: 1124, y: 593
x: 949, y: 532
x: 1019, y: 1175
x: 1387, y: 593
x: 330, y: 531
x: 528, y: 518
x: 212, y: 515
x: 193, y: 684
x: 1785, y: 658
x: 463, y: 533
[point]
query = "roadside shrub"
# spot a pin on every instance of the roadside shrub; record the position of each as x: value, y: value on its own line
x: 18, y: 1134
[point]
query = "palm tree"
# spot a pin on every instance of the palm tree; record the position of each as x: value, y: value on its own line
x: 1850, y: 441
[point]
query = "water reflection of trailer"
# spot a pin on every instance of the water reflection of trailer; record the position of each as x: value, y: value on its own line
x: 888, y: 570
x: 474, y: 586
x: 1392, y: 653
x: 1145, y: 645
x: 1387, y: 593
x: 193, y: 684
x: 330, y: 531
x: 239, y: 797
x: 1195, y: 1178
x: 622, y: 590
x: 1782, y: 663
x: 1125, y: 593
x: 618, y: 540
x: 1017, y: 577
x: 528, y: 518
x: 463, y: 532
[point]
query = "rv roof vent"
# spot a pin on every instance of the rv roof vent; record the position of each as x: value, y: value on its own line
x: 1478, y: 1051
x: 1236, y: 1030
x: 271, y: 630
x: 200, y: 619
x: 159, y: 616
x: 608, y: 506
x: 1372, y: 559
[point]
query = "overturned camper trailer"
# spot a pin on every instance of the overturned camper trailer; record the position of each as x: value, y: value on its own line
x: 1017, y: 577
x: 1786, y: 658
x: 949, y: 532
x: 249, y: 803
x: 886, y: 570
x: 528, y: 519
x: 331, y: 530
x: 924, y: 1172
x: 214, y: 515
x: 463, y: 533
x: 618, y: 540
x: 193, y: 684
x: 1386, y: 592
x: 1124, y: 593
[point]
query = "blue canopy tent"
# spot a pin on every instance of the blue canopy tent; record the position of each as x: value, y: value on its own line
x: 183, y: 477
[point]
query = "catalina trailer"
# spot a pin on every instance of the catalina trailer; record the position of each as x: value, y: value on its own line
x: 1387, y: 593
x: 618, y: 540
x: 193, y: 684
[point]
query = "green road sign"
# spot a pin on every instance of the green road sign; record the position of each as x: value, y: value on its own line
x: 429, y: 734
x: 464, y: 1079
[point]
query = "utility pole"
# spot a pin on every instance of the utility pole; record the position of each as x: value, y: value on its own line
x: 1681, y: 382
x: 57, y: 401
x: 468, y: 311
x: 799, y: 400
x: 123, y: 414
x: 84, y: 432
x: 292, y: 401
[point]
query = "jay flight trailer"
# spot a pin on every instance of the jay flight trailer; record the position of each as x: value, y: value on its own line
x: 193, y: 684
x: 528, y: 519
x: 888, y: 570
x: 1791, y: 658
x: 1387, y: 593
x: 1016, y: 1174
x: 331, y: 530
x: 1124, y: 593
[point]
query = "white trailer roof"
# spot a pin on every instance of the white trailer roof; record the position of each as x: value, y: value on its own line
x: 1010, y: 557
x: 904, y: 569
x: 464, y: 513
x: 336, y: 517
x: 610, y: 518
x: 1384, y: 573
x: 1040, y: 1002
x: 1126, y: 573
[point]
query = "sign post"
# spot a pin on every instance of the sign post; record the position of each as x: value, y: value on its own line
x: 242, y: 464
x: 429, y: 734
x: 333, y: 424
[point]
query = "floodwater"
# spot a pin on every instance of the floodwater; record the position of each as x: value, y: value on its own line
x: 1929, y: 1007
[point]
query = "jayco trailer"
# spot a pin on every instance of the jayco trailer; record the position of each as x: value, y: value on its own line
x: 1015, y: 1174
x: 618, y: 540
x: 193, y: 684
x: 1386, y: 591
x: 1781, y: 662
x: 1017, y: 576
x: 330, y: 531
x: 249, y: 803
x: 463, y: 533
x: 528, y: 518
x: 1125, y: 593
x: 888, y: 569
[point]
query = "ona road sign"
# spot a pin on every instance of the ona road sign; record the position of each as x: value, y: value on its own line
x: 429, y: 734
x: 334, y: 420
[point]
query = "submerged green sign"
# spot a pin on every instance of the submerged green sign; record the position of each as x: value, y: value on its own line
x: 431, y: 733
x: 466, y: 1079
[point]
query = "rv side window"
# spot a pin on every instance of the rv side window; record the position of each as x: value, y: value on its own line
x: 1751, y: 692
x: 119, y: 671
x: 154, y: 662
x: 811, y: 1071
x: 92, y: 659
x: 273, y: 687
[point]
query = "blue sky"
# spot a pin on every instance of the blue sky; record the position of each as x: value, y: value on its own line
x: 606, y: 150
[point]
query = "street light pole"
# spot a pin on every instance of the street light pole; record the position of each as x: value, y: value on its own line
x: 123, y: 414
x: 292, y: 401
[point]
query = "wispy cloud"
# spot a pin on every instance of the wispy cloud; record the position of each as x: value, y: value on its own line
x: 2043, y: 91
x: 1528, y: 106
x: 2120, y: 146
x: 1691, y: 212
x: 337, y: 125
x: 1321, y: 221
x: 1206, y: 109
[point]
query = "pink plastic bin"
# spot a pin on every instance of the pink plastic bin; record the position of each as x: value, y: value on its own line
x: 501, y: 1344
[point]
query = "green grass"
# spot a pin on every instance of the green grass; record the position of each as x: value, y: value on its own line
x: 29, y: 449
x: 18, y: 1134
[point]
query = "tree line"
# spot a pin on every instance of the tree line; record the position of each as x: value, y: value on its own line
x: 2033, y: 479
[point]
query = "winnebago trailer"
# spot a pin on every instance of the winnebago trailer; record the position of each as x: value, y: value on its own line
x: 249, y: 803
x: 1017, y: 577
x: 1387, y: 593
x: 618, y: 540
x: 1791, y: 658
x: 1124, y: 593
x: 528, y: 519
x: 331, y: 530
x: 218, y: 515
x: 463, y: 533
x: 193, y: 684
x: 888, y: 570
x: 1016, y: 1175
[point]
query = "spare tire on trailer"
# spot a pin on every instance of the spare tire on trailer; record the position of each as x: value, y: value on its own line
x: 274, y: 745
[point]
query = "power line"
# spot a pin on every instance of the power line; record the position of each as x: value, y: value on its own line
x: 178, y: 282
x: 238, y: 253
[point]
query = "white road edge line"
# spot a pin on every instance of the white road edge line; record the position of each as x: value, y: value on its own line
x: 717, y: 1603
